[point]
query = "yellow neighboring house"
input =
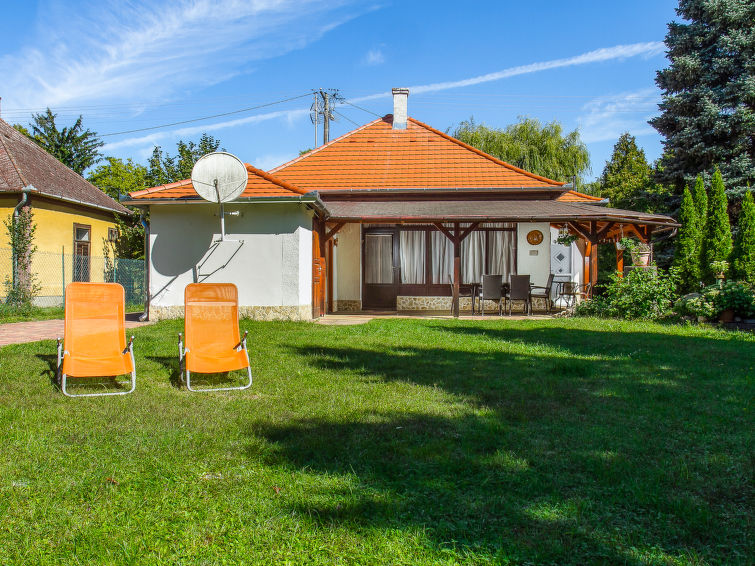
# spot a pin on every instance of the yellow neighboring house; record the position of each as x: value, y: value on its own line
x: 73, y: 217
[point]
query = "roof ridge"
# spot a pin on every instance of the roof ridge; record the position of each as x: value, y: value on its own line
x: 323, y: 146
x: 486, y: 155
x: 280, y: 182
x: 251, y: 169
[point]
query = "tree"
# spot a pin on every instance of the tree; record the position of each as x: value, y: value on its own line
x: 626, y: 177
x: 716, y: 244
x: 708, y: 106
x: 700, y: 198
x: 743, y: 254
x: 164, y: 168
x: 687, y: 254
x: 21, y: 289
x: 115, y: 178
x: 541, y: 149
x: 73, y: 146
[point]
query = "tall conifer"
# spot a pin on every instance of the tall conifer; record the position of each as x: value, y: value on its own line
x: 717, y: 235
x: 743, y: 254
x: 687, y: 254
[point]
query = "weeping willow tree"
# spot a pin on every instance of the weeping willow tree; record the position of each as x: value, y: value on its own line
x: 543, y: 149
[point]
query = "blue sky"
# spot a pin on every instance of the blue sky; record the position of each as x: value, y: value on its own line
x: 126, y: 65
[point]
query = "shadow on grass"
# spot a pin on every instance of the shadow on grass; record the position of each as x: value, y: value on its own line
x: 584, y: 448
x: 198, y: 380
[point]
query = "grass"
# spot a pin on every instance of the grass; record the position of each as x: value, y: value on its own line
x: 29, y: 313
x: 24, y: 314
x: 397, y: 442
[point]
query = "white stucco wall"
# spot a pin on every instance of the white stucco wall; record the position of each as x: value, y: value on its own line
x: 272, y: 268
x: 347, y: 272
x: 534, y: 260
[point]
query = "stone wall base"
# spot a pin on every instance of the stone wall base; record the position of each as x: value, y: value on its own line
x: 406, y: 303
x: 348, y: 305
x: 278, y: 312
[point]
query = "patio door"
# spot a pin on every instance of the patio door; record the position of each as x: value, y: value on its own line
x: 381, y: 269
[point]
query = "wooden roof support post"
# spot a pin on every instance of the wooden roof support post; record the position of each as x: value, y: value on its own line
x: 457, y: 268
x: 620, y: 262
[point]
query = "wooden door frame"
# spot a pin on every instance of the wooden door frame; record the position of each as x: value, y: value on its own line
x: 392, y: 231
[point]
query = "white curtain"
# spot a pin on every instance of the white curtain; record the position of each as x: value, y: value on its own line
x: 502, y: 253
x: 473, y: 257
x: 412, y: 256
x: 378, y: 251
x: 441, y: 257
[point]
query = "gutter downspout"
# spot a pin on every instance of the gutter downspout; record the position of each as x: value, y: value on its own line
x: 16, y: 213
x: 145, y: 225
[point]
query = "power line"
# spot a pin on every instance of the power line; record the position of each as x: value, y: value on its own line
x: 346, y: 117
x: 360, y: 108
x: 205, y: 117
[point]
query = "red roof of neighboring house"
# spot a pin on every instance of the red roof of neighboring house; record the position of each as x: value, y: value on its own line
x: 23, y: 164
x: 375, y: 156
x: 258, y: 184
x: 574, y: 196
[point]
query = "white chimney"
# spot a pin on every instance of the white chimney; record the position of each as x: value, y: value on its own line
x: 400, y: 96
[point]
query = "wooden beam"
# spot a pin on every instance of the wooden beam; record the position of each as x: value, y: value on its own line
x: 444, y: 230
x: 333, y: 231
x: 620, y: 262
x: 457, y: 269
x: 467, y: 231
x: 581, y: 231
x: 604, y: 231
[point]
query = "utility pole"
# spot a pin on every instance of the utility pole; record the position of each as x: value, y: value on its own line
x: 322, y: 110
x: 326, y: 117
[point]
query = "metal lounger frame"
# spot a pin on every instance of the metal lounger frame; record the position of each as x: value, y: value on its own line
x: 186, y: 374
x: 63, y: 377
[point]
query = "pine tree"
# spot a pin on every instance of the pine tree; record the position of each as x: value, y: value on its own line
x: 687, y: 254
x: 626, y: 176
x: 717, y: 236
x: 743, y: 254
x: 708, y: 109
x: 700, y: 197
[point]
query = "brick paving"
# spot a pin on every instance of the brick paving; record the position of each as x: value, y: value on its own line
x: 21, y: 332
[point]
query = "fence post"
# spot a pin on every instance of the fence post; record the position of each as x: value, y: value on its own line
x: 63, y: 272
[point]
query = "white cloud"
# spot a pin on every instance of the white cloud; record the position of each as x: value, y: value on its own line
x: 607, y: 117
x: 598, y: 55
x: 374, y: 57
x: 147, y: 50
x: 647, y: 49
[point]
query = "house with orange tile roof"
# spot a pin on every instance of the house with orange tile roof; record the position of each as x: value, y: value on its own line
x: 394, y: 215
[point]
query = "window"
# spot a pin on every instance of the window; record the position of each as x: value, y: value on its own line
x: 81, y: 250
x: 112, y: 234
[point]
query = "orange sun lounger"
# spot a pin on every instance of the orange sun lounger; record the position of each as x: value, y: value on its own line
x: 211, y: 326
x: 95, y: 336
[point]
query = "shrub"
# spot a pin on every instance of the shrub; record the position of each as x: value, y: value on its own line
x: 737, y: 296
x: 643, y: 293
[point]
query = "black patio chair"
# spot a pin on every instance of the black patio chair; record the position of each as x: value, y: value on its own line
x: 520, y: 291
x: 545, y: 294
x: 491, y: 290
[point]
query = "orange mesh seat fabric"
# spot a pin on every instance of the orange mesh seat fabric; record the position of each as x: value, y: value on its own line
x: 95, y: 333
x: 211, y: 325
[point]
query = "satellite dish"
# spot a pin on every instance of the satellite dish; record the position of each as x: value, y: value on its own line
x: 219, y: 177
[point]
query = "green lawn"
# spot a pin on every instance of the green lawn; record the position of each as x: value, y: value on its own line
x: 569, y: 441
x: 10, y: 314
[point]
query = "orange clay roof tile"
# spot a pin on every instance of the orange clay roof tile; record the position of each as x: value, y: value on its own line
x: 375, y: 156
x: 574, y: 196
x: 259, y: 184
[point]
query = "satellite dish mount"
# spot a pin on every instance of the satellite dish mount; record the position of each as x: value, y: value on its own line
x: 219, y: 177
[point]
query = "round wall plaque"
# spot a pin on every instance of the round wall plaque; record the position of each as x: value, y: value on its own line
x: 534, y: 237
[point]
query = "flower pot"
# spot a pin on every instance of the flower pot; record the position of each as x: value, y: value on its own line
x: 726, y: 316
x: 641, y: 258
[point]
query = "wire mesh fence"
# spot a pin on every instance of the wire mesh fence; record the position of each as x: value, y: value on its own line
x: 51, y: 272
